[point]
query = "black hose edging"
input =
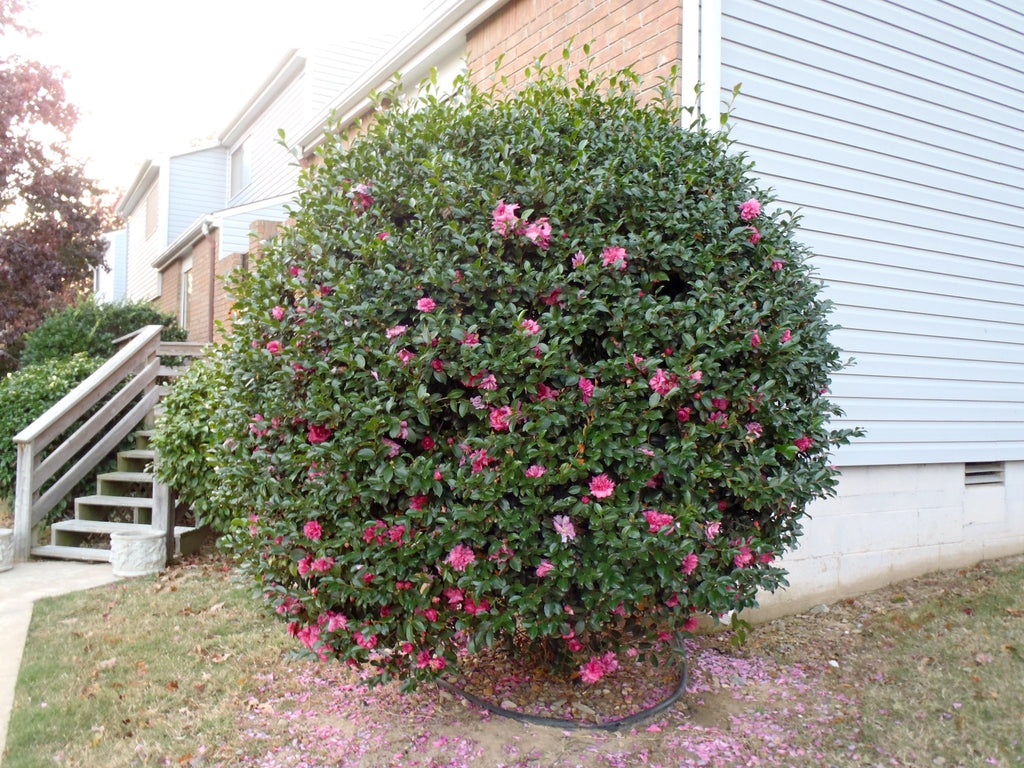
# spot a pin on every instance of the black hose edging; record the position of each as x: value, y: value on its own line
x: 558, y: 722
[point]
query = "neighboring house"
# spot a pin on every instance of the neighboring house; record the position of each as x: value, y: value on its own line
x: 896, y: 129
x: 189, y: 216
x: 110, y: 282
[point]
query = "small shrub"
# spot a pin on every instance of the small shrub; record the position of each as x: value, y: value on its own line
x: 184, y: 442
x: 25, y: 395
x: 91, y: 327
x: 545, y: 371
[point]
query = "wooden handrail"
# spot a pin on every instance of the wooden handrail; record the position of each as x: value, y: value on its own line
x: 139, y: 358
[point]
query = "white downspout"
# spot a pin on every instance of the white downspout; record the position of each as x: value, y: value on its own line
x: 701, y: 60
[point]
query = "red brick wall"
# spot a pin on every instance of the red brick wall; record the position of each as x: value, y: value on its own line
x: 170, y: 284
x: 204, y: 261
x: 222, y: 304
x: 642, y: 34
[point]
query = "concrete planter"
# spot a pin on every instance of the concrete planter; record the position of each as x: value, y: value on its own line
x: 138, y: 553
x: 6, y: 549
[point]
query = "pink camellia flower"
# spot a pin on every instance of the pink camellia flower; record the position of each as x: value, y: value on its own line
x: 657, y: 520
x: 437, y: 365
x: 544, y: 392
x: 691, y: 624
x: 766, y: 557
x: 277, y: 313
x: 777, y: 264
x: 683, y: 414
x: 536, y: 470
x: 744, y: 558
x: 578, y: 259
x: 361, y: 197
x: 754, y: 428
x: 428, y: 443
x: 755, y: 339
x: 564, y: 528
x: 500, y: 418
x: 530, y: 327
x: 663, y: 383
x: 592, y: 670
x: 488, y: 382
x: 803, y: 443
x: 393, y: 448
x: 614, y: 256
x: 539, y: 233
x: 273, y: 347
x: 690, y: 563
x: 395, y: 331
x: 672, y: 602
x: 587, y: 388
x: 504, y: 219
x: 751, y: 209
x: 426, y: 304
x: 364, y: 641
x: 712, y: 529
x: 418, y: 502
x: 574, y: 645
x: 601, y: 486
x: 323, y: 564
x: 382, y: 236
x: 313, y: 530
x: 544, y: 569
x: 552, y: 298
x: 470, y: 339
x: 755, y: 235
x: 317, y: 433
x: 460, y: 557
x: 786, y: 336
x: 405, y: 356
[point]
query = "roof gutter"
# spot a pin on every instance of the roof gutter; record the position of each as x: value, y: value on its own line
x: 408, y: 54
x: 199, y: 229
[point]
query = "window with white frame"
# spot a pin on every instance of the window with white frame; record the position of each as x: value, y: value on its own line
x: 241, y: 171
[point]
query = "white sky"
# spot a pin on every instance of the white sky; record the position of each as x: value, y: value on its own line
x: 150, y: 76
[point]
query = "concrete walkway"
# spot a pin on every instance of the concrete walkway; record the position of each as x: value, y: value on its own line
x: 19, y: 588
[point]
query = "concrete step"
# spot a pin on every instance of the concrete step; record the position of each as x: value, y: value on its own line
x: 72, y: 553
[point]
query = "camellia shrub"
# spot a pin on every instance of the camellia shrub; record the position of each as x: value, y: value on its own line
x: 543, y: 370
x: 185, y: 443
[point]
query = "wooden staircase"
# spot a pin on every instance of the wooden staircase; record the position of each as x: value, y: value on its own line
x: 123, y: 501
x: 66, y: 444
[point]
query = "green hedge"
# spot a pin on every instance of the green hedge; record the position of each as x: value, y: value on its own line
x: 91, y: 327
x: 26, y: 394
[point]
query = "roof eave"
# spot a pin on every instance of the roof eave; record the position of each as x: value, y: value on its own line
x: 417, y: 46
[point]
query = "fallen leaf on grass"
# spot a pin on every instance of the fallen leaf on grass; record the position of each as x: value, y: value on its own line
x: 107, y: 663
x: 1017, y: 612
x: 983, y: 658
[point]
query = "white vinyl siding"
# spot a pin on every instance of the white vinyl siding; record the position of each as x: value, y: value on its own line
x: 896, y: 129
x: 235, y: 227
x: 272, y: 169
x: 196, y: 187
x: 140, y: 277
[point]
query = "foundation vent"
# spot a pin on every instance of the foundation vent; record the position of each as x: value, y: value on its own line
x: 984, y: 473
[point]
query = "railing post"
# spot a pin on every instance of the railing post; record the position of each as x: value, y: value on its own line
x: 24, y: 525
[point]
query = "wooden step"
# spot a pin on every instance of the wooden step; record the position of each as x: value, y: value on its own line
x: 102, y: 506
x: 119, y: 483
x: 186, y: 538
x: 67, y: 532
x: 135, y: 460
x: 143, y: 438
x: 121, y: 476
x: 72, y: 553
